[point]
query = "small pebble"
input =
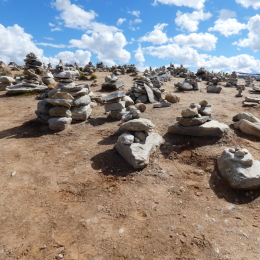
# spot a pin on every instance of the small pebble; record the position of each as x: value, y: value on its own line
x: 13, y: 173
x: 59, y: 256
x: 239, y: 153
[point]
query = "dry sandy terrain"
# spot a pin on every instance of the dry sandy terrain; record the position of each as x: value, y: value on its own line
x: 73, y: 193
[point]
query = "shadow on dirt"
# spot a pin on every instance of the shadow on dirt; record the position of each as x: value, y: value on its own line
x: 240, y: 134
x: 101, y: 120
x: 224, y: 191
x: 179, y: 143
x: 110, y: 162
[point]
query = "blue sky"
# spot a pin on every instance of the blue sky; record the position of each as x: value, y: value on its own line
x: 218, y: 34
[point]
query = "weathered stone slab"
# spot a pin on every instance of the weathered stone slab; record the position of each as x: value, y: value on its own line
x: 66, y: 74
x: 149, y: 92
x: 214, y: 89
x: 21, y: 89
x: 189, y: 112
x: 81, y: 113
x: 81, y: 101
x: 126, y: 138
x: 189, y: 121
x: 81, y: 92
x: 59, y: 102
x: 113, y: 85
x: 115, y: 106
x: 63, y: 95
x: 248, y: 127
x: 240, y: 172
x: 247, y: 116
x: 59, y: 111
x: 250, y: 104
x: 140, y: 124
x: 162, y: 104
x: 211, y: 128
x: 59, y: 123
x: 113, y: 96
x: 43, y: 107
x: 252, y: 99
x: 6, y: 79
x: 138, y: 154
x: 172, y: 98
x: 142, y: 99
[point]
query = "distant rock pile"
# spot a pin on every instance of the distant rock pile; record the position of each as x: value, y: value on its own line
x: 190, y: 83
x: 232, y: 81
x: 214, y: 87
x: 196, y: 121
x: 112, y: 82
x: 239, y: 169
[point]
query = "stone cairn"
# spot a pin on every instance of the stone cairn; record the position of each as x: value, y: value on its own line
x: 249, y: 81
x: 112, y: 82
x: 31, y: 81
x: 65, y: 103
x: 239, y: 169
x: 190, y: 83
x: 5, y: 82
x: 145, y: 91
x: 240, y: 89
x: 232, y: 80
x: 138, y: 141
x: 251, y: 102
x: 197, y: 121
x: 213, y: 86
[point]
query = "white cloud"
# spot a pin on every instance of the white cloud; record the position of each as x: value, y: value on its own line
x: 77, y: 18
x: 227, y: 25
x: 56, y: 29
x: 190, y: 21
x: 135, y: 13
x: 203, y: 41
x: 139, y: 55
x: 196, y: 4
x: 51, y: 24
x: 120, y: 21
x: 247, y: 3
x: 137, y: 20
x: 52, y: 45
x: 49, y: 38
x: 108, y: 46
x: 157, y: 36
x: 253, y: 40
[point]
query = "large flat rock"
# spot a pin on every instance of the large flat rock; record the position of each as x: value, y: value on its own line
x: 211, y: 128
x: 21, y: 89
x: 138, y: 154
x: 239, y: 172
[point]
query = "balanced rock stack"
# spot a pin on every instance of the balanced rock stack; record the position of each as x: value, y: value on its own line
x: 232, y: 81
x: 190, y: 83
x: 239, y: 169
x: 31, y: 81
x: 6, y: 81
x: 138, y: 142
x: 251, y: 102
x: 143, y: 91
x: 249, y: 81
x: 196, y: 121
x: 214, y: 87
x: 112, y: 82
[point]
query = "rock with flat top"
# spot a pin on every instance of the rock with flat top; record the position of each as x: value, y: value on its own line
x: 81, y: 113
x: 59, y: 123
x: 21, y: 89
x: 247, y: 116
x: 59, y: 102
x: 138, y: 154
x: 189, y: 121
x: 140, y: 124
x: 247, y: 127
x: 189, y: 112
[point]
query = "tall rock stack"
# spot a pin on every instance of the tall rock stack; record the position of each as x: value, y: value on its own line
x: 249, y: 81
x: 6, y: 82
x: 31, y: 81
x: 138, y: 141
x: 144, y: 91
x: 196, y: 121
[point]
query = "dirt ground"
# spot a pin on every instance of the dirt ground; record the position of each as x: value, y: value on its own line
x: 71, y: 192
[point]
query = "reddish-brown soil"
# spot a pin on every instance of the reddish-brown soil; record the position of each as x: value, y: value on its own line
x: 73, y: 194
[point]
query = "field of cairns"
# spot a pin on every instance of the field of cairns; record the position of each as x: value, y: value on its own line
x: 111, y: 163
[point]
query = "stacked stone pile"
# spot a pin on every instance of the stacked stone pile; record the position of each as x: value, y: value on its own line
x: 112, y: 82
x: 214, y: 87
x: 190, y: 83
x: 31, y: 81
x: 255, y: 90
x: 251, y: 102
x: 247, y: 123
x: 144, y: 91
x: 138, y: 142
x: 249, y: 81
x: 6, y: 81
x: 197, y: 121
x: 232, y: 80
x: 239, y: 169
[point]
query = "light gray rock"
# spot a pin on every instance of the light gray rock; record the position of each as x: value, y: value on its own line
x: 203, y: 102
x: 240, y: 172
x: 250, y: 104
x: 196, y: 85
x: 128, y: 101
x: 117, y: 114
x: 189, y: 121
x: 138, y: 154
x: 4, y: 85
x: 211, y: 128
x: 247, y: 116
x: 140, y: 135
x: 42, y: 118
x: 140, y: 124
x: 81, y: 113
x: 189, y: 112
x: 59, y: 102
x: 115, y: 106
x: 126, y: 138
x: 142, y: 99
x: 252, y: 99
x: 63, y: 95
x: 59, y: 123
x: 172, y: 98
x: 6, y: 79
x: 185, y: 86
x: 52, y: 93
x: 21, y: 89
x: 214, y: 89
x: 113, y: 96
x: 59, y: 111
x: 66, y: 74
x: 206, y: 110
x: 157, y: 93
x: 113, y: 85
x: 68, y: 87
x: 81, y: 101
x: 150, y: 94
x: 248, y: 127
x: 162, y: 104
x: 48, y: 81
x: 141, y: 107
x: 43, y: 107
x: 82, y: 92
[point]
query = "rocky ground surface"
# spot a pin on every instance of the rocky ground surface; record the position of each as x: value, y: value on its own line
x: 70, y: 195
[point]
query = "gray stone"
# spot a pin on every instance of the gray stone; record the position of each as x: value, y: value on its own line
x: 21, y: 89
x: 252, y: 99
x: 81, y: 92
x: 172, y: 98
x: 59, y: 123
x: 81, y: 113
x: 142, y: 99
x: 248, y: 127
x: 157, y: 93
x: 140, y: 124
x: 211, y: 128
x: 189, y: 112
x: 141, y: 107
x: 126, y: 138
x: 117, y: 114
x: 52, y: 93
x: 59, y: 111
x: 44, y: 107
x: 214, y: 89
x: 6, y: 79
x: 203, y: 102
x: 206, y: 110
x: 63, y: 95
x: 250, y: 104
x: 240, y: 172
x: 69, y: 87
x: 4, y: 85
x: 113, y: 96
x: 115, y: 106
x: 128, y: 101
x: 189, y: 121
x: 66, y: 74
x: 196, y: 85
x: 138, y: 154
x: 113, y: 85
x: 186, y: 86
x: 140, y: 135
x: 247, y: 116
x: 48, y: 81
x: 42, y: 118
x: 162, y: 104
x: 149, y: 92
x: 59, y: 102
x: 81, y: 101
